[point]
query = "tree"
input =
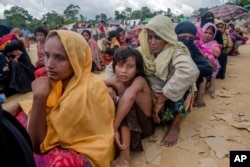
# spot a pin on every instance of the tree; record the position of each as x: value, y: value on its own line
x: 17, y: 16
x: 169, y: 13
x: 146, y: 13
x: 136, y: 14
x: 71, y: 12
x: 117, y: 15
x: 101, y: 17
x: 200, y: 11
x: 128, y: 12
x: 53, y: 19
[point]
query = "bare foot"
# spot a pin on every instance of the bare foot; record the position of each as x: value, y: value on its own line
x: 171, y: 137
x: 121, y: 161
x: 211, y: 90
x: 199, y: 101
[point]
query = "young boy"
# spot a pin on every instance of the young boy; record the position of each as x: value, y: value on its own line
x: 133, y: 120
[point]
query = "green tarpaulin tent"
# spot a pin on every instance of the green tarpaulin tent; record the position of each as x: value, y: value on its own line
x: 247, y: 7
x: 146, y: 20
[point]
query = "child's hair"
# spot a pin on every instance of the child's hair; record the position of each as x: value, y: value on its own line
x: 113, y: 34
x: 231, y: 26
x: 123, y: 53
x: 119, y: 29
x: 41, y: 29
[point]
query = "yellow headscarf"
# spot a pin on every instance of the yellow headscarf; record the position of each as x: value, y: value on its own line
x: 164, y: 28
x: 217, y: 21
x: 82, y: 117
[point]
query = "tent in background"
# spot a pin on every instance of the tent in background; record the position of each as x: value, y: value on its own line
x: 134, y: 22
x: 146, y: 20
x: 247, y: 7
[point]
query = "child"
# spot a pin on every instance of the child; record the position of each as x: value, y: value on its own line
x: 133, y: 120
x: 236, y: 38
x: 72, y: 114
x: 41, y: 33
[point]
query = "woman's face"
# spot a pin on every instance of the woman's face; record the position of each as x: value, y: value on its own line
x: 57, y: 63
x: 208, y: 35
x: 220, y: 27
x: 156, y: 43
x: 86, y: 36
x: 187, y: 36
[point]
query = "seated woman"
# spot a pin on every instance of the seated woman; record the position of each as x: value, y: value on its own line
x: 227, y: 41
x: 211, y: 50
x: 72, y: 114
x: 16, y: 69
x: 97, y: 61
x: 186, y: 32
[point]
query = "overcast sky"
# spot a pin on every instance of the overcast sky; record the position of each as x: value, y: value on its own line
x: 91, y: 8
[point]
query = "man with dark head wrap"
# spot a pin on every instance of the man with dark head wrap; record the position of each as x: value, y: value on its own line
x: 186, y: 32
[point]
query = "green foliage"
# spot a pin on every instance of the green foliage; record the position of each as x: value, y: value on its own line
x: 53, y: 19
x: 101, y: 17
x: 17, y: 16
x: 71, y: 11
x: 200, y: 11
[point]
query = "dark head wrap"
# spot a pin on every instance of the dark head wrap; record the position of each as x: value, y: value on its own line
x: 113, y: 34
x: 185, y: 27
x: 202, y: 64
x: 207, y: 18
x: 4, y: 30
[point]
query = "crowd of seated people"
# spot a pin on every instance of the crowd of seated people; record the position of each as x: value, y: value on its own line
x: 63, y: 71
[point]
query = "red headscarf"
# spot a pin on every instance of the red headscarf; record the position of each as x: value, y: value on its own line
x: 9, y: 42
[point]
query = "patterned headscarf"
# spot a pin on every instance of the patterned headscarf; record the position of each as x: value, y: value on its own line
x: 164, y: 28
x: 9, y: 43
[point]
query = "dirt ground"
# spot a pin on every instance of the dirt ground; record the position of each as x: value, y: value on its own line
x: 207, y: 134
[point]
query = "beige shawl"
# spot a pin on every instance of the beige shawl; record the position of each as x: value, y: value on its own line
x: 164, y: 28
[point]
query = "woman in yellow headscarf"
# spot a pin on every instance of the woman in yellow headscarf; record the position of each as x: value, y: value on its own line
x: 71, y: 120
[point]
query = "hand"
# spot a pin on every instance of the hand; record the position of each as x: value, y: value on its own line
x: 41, y: 87
x: 106, y: 42
x: 156, y: 110
x: 14, y: 58
x: 118, y: 141
x: 161, y: 99
x: 112, y: 94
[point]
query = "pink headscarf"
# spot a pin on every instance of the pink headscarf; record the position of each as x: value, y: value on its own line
x: 206, y: 47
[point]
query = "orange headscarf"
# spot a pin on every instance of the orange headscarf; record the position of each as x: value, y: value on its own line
x: 82, y: 117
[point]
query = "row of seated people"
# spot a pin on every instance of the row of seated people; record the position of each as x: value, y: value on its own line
x: 184, y: 54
